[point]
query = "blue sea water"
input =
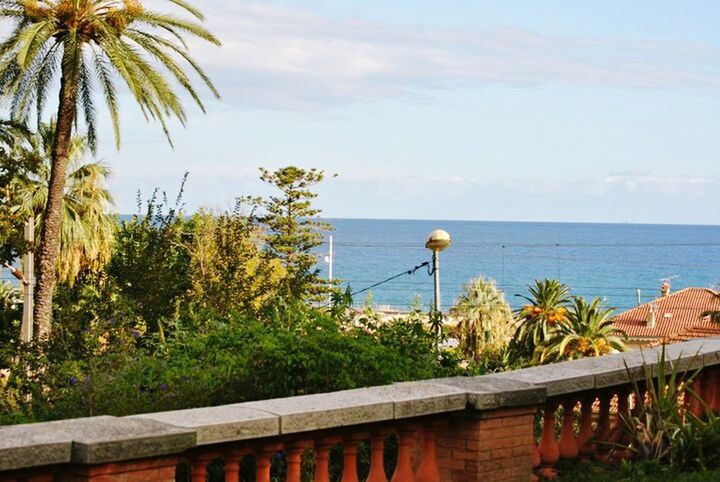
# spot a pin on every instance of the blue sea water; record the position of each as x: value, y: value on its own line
x: 609, y: 261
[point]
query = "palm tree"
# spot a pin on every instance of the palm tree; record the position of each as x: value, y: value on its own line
x: 587, y: 331
x: 546, y: 307
x: 87, y: 229
x: 89, y: 43
x: 484, y: 318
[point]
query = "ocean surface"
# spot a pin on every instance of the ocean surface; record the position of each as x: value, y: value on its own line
x: 610, y: 261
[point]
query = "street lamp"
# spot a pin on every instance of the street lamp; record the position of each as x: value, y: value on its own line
x: 438, y: 240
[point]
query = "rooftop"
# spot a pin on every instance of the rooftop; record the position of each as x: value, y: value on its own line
x: 679, y: 316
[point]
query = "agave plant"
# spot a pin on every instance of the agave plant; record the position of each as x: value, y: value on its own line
x: 586, y: 330
x: 546, y: 307
x: 484, y: 319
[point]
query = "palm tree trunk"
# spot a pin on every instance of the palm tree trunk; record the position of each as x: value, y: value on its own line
x: 47, y: 254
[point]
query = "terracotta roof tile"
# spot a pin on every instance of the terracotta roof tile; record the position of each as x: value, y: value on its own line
x: 679, y: 316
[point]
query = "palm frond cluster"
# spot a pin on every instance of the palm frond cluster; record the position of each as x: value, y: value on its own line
x: 90, y: 45
x: 88, y: 228
x: 553, y: 325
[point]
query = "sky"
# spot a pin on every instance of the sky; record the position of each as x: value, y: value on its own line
x: 516, y: 110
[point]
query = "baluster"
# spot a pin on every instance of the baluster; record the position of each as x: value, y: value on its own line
x: 294, y: 461
x: 549, y: 450
x: 568, y: 447
x: 619, y: 435
x: 350, y: 450
x: 603, y: 427
x: 377, y: 458
x: 535, y: 460
x: 404, y: 470
x: 232, y: 465
x: 709, y: 388
x: 264, y: 462
x: 428, y: 470
x: 585, y: 447
x: 199, y: 467
x: 322, y: 459
x: 712, y: 381
x: 694, y: 404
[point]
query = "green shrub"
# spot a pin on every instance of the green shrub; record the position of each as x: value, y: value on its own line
x: 228, y: 360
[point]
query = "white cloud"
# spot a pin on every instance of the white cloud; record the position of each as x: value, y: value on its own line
x: 289, y: 58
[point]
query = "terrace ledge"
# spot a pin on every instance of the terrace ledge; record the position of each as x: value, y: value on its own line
x: 105, y: 439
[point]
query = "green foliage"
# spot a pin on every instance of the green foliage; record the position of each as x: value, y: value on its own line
x: 87, y: 228
x: 12, y: 167
x: 547, y: 306
x: 150, y: 265
x: 662, y: 430
x: 293, y: 229
x: 484, y: 319
x: 629, y: 471
x: 92, y: 43
x: 586, y: 330
x: 229, y: 360
x: 10, y: 316
x: 229, y: 269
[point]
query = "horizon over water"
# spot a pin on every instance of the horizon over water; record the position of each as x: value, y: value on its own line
x: 605, y: 260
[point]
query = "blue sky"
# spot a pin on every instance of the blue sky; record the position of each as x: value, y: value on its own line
x: 604, y: 111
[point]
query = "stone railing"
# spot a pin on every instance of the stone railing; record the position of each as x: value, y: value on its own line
x: 454, y: 429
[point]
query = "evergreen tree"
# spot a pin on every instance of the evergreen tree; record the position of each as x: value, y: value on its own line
x: 294, y: 230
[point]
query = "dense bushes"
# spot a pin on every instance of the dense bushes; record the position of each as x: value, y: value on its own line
x: 215, y: 361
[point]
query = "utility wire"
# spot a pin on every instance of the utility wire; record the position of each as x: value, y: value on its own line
x: 409, y: 272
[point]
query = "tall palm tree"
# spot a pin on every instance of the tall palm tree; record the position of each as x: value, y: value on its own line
x: 89, y: 43
x: 484, y: 318
x: 86, y: 228
x: 547, y: 306
x: 588, y: 330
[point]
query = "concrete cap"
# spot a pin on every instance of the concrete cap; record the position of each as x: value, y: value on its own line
x: 487, y: 393
x: 326, y: 410
x: 415, y: 399
x: 33, y: 445
x: 109, y: 439
x: 226, y: 423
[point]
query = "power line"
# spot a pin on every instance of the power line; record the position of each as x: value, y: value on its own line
x: 409, y: 272
x: 533, y: 245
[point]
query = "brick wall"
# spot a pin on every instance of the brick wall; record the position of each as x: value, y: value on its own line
x: 488, y: 446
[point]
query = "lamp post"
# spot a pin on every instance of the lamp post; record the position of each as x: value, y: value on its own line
x: 437, y: 241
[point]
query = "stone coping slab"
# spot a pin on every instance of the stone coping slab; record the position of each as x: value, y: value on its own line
x: 89, y: 441
x: 415, y: 399
x: 486, y: 392
x: 33, y: 445
x: 225, y: 423
x: 326, y: 410
x: 108, y: 439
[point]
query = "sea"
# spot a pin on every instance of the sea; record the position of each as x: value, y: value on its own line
x: 609, y: 261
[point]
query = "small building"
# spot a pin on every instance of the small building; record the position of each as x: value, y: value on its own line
x: 671, y: 318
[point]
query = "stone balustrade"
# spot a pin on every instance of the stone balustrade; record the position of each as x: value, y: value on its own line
x: 453, y: 429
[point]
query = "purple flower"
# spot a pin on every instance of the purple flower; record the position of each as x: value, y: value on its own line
x: 73, y: 380
x: 163, y: 386
x: 136, y: 334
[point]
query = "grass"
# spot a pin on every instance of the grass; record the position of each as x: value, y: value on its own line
x: 578, y: 471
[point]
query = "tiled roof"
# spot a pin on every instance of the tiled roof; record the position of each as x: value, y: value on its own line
x: 679, y: 316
